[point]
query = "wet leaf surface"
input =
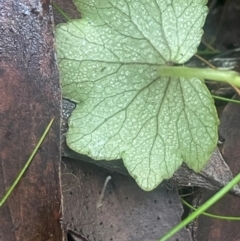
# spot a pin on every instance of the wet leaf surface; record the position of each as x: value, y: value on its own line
x: 29, y: 98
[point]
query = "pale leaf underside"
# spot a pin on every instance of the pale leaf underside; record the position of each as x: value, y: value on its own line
x: 109, y: 66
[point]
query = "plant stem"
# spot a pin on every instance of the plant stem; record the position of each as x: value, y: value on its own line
x: 205, y: 61
x: 208, y: 45
x: 228, y: 218
x: 226, y: 99
x: 202, y: 208
x: 27, y: 164
x: 229, y: 76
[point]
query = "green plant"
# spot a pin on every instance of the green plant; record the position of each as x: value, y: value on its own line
x: 203, y: 208
x: 19, y: 176
x: 117, y: 64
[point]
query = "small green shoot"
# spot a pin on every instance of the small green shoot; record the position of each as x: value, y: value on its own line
x: 202, y: 208
x: 27, y: 164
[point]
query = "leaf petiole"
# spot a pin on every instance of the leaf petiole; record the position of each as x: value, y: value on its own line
x: 229, y: 76
x: 2, y: 201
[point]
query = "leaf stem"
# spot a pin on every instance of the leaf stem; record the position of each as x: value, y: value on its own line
x: 2, y: 201
x: 229, y: 76
x: 202, y: 208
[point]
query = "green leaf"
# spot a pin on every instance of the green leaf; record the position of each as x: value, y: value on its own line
x: 109, y: 65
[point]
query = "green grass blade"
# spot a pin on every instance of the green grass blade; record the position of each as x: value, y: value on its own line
x: 226, y: 99
x: 202, y: 208
x: 67, y: 18
x: 27, y: 164
x: 228, y: 218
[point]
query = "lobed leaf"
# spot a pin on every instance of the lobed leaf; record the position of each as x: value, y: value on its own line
x: 109, y: 65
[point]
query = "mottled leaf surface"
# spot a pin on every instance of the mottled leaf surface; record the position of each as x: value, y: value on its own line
x: 109, y: 65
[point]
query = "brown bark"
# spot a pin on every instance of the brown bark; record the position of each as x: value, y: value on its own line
x: 29, y: 98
